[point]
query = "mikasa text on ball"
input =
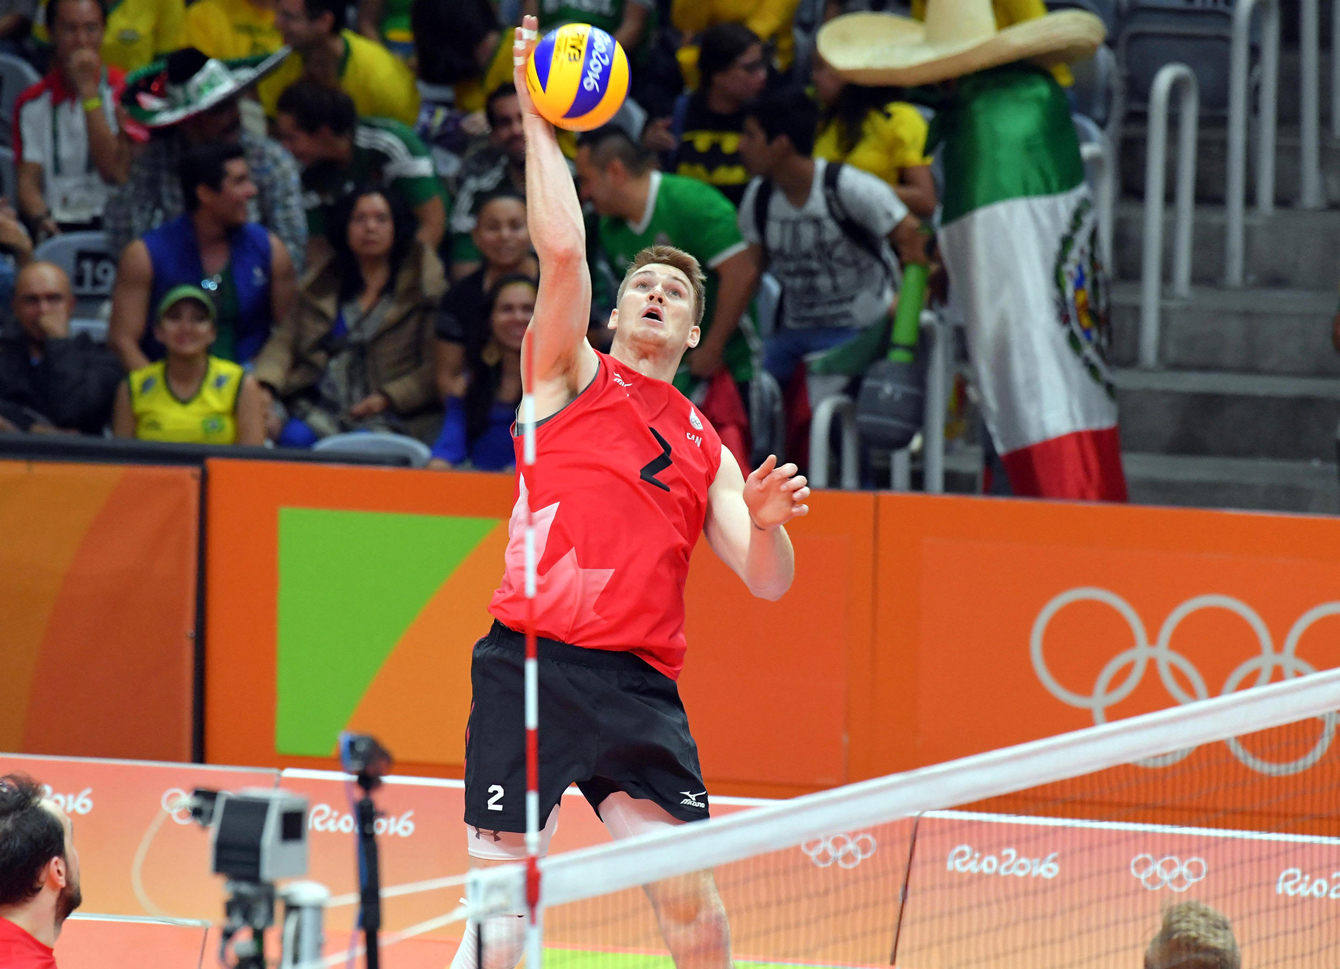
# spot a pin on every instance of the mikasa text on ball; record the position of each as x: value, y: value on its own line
x: 577, y: 76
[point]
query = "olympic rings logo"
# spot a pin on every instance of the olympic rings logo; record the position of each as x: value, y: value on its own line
x: 176, y: 802
x: 1104, y: 695
x: 844, y: 849
x: 1171, y: 871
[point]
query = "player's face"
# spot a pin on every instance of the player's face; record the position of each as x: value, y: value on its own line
x: 657, y: 309
x: 70, y: 897
x: 512, y: 311
x: 501, y: 234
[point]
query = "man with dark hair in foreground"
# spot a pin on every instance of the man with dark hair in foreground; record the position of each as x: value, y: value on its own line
x: 39, y: 874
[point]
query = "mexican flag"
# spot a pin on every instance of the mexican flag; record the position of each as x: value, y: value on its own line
x: 1019, y: 243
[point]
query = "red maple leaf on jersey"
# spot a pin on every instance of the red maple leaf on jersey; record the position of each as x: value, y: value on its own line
x: 566, y: 593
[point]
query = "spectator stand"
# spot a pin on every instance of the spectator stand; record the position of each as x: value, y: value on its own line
x: 16, y: 76
x: 1170, y: 76
x: 88, y: 260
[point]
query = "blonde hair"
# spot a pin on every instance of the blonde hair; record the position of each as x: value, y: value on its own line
x: 677, y: 259
x: 1193, y: 936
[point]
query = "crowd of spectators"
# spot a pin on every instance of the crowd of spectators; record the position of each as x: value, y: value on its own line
x: 318, y: 219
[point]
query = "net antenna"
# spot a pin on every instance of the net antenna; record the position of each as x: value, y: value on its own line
x: 534, y: 940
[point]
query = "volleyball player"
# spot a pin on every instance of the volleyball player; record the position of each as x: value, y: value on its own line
x: 628, y: 474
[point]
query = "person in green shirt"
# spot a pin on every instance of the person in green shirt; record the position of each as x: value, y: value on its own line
x: 338, y: 151
x: 640, y: 206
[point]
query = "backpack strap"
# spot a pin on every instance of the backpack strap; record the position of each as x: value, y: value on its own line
x: 852, y: 229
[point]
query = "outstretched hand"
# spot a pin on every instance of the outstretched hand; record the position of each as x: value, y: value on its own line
x: 525, y: 39
x: 775, y: 495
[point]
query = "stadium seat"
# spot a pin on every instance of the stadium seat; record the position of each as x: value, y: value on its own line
x: 88, y: 260
x: 16, y: 75
x: 377, y: 442
x: 1159, y: 32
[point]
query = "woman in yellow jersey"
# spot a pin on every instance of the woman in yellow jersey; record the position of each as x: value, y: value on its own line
x: 189, y: 397
x: 868, y: 128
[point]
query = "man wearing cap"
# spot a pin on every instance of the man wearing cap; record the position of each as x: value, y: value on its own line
x: 188, y: 99
x: 213, y: 246
x: 190, y: 396
x: 67, y: 145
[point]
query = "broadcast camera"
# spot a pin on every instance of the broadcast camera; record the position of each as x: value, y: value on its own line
x: 258, y: 836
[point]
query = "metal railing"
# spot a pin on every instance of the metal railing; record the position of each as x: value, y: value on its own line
x: 1239, y: 67
x: 842, y: 408
x: 1309, y: 96
x: 1151, y: 273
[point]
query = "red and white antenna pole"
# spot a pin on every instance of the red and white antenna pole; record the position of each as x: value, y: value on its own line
x: 534, y: 942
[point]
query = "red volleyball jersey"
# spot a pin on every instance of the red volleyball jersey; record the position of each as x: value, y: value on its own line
x: 619, y: 497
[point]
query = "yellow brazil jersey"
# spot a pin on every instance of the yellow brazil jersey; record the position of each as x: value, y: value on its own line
x: 891, y: 139
x: 1010, y: 12
x: 769, y: 19
x: 231, y: 29
x: 380, y: 83
x: 207, y: 418
x: 137, y: 31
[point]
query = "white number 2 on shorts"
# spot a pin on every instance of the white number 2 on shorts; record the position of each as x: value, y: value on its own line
x: 497, y: 791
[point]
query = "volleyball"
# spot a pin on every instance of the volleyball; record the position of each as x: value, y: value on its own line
x: 577, y: 77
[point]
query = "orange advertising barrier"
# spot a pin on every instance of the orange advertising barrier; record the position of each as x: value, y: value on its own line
x: 365, y: 590
x: 97, y: 609
x: 1000, y: 622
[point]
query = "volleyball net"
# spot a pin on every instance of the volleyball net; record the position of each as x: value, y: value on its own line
x: 1210, y: 826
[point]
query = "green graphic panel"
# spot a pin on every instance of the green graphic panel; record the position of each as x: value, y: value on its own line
x: 350, y: 584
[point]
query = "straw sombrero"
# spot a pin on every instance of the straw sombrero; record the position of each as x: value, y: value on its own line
x: 187, y: 82
x: 959, y: 37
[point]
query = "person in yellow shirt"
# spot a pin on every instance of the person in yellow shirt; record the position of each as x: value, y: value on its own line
x: 868, y: 127
x: 1012, y: 12
x: 137, y: 32
x: 325, y: 51
x: 230, y: 30
x: 770, y: 20
x: 189, y: 397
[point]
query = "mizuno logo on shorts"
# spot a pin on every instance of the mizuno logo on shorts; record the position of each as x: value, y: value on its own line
x: 692, y: 799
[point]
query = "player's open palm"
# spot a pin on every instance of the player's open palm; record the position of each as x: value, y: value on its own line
x: 774, y: 495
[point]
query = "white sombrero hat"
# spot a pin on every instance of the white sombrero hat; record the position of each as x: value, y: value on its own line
x: 959, y: 37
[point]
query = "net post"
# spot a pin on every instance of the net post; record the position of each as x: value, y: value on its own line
x: 534, y: 941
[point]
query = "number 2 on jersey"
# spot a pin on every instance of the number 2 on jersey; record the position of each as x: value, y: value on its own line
x: 658, y: 464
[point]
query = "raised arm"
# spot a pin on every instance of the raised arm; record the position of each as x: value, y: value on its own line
x: 564, y: 361
x: 746, y: 519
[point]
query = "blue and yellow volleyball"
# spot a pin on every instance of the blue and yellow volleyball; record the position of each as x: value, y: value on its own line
x: 577, y: 77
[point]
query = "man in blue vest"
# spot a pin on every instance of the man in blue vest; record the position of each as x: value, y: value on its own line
x: 241, y: 264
